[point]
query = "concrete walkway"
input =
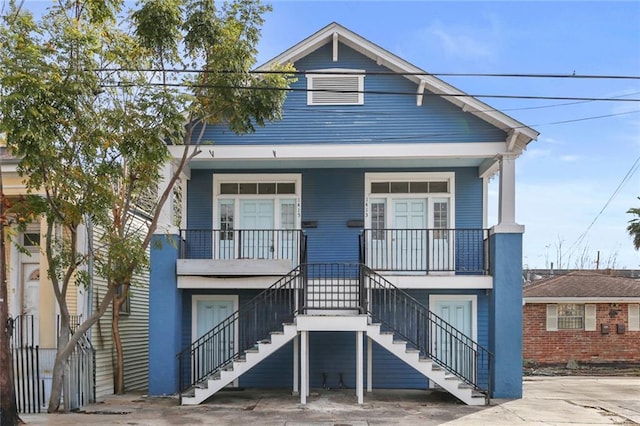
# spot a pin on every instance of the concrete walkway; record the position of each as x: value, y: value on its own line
x: 547, y: 401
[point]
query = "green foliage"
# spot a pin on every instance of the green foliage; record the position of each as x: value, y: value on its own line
x: 634, y: 226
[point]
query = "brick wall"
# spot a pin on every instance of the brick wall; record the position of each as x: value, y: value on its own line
x: 558, y: 347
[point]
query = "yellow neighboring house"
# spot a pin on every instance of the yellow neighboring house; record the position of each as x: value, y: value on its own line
x: 33, y: 306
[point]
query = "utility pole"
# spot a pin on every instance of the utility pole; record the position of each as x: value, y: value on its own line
x: 8, y: 407
x: 598, y: 261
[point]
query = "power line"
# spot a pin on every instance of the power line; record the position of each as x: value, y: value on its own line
x: 370, y: 92
x: 381, y: 73
x: 625, y: 179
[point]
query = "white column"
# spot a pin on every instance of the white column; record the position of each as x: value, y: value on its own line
x: 359, y: 366
x: 369, y: 365
x: 296, y: 363
x: 507, y: 195
x: 304, y: 366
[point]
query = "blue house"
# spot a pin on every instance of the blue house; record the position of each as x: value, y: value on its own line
x: 346, y: 245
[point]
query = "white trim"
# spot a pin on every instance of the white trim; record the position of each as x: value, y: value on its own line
x: 590, y: 316
x: 434, y: 298
x: 441, y: 282
x: 333, y: 151
x: 552, y: 317
x: 335, y: 74
x: 219, y: 178
x: 223, y: 283
x: 581, y: 300
x: 371, y: 177
x: 213, y: 297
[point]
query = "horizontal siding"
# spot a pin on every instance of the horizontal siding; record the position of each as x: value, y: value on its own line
x: 384, y: 118
x: 134, y: 334
x: 134, y: 331
x: 331, y: 197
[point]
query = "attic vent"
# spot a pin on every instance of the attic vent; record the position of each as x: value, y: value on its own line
x: 335, y: 89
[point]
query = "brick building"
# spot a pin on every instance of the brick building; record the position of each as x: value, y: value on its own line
x: 584, y: 316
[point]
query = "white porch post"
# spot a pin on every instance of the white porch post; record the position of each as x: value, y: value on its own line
x: 359, y: 366
x: 507, y: 195
x: 304, y: 366
x: 296, y: 363
x: 369, y: 365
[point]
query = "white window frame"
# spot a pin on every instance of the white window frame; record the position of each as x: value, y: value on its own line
x: 335, y: 73
x: 589, y: 322
x: 431, y: 197
x: 258, y: 178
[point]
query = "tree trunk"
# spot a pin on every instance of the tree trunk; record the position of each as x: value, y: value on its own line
x: 118, y: 379
x: 8, y: 407
x: 60, y: 364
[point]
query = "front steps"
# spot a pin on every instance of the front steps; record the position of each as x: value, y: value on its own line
x: 427, y: 367
x: 264, y: 349
x: 252, y: 357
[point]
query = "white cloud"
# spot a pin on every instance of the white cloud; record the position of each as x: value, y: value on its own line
x: 570, y: 158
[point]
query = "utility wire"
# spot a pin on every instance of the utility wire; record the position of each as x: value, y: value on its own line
x: 634, y: 168
x: 370, y: 92
x: 382, y: 73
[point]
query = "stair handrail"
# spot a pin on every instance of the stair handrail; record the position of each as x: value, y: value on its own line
x: 435, y: 338
x: 251, y: 323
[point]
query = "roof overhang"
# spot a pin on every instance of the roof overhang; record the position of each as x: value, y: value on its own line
x: 575, y: 299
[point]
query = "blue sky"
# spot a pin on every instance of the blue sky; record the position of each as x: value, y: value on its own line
x: 566, y: 180
x: 567, y: 176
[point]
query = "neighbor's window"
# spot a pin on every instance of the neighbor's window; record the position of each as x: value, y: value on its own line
x: 570, y: 316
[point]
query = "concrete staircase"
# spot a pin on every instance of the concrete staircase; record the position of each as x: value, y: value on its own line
x: 241, y: 365
x: 426, y: 366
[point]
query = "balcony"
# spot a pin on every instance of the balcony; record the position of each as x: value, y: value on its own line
x: 426, y: 251
x: 240, y: 252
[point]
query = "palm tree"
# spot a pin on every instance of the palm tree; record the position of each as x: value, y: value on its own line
x: 634, y: 226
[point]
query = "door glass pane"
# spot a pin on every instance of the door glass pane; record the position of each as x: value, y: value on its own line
x: 248, y: 188
x: 288, y: 214
x: 378, y: 220
x: 286, y: 188
x: 226, y: 220
x: 267, y: 188
x: 226, y: 248
x: 287, y: 238
x: 399, y: 187
x: 441, y: 214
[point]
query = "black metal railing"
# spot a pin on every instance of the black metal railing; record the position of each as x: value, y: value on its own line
x: 332, y: 286
x: 221, y: 244
x: 463, y: 251
x: 241, y: 331
x: 25, y: 360
x: 423, y: 330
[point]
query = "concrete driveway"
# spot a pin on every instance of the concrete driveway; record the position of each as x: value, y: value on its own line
x: 547, y: 401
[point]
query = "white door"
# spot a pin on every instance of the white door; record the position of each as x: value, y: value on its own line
x: 451, y: 350
x: 408, y: 251
x: 256, y: 229
x: 209, y: 313
x: 30, y: 303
